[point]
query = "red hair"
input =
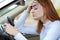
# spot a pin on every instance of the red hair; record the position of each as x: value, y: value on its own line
x: 51, y: 13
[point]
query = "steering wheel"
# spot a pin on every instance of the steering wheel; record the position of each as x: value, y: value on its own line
x: 10, y: 20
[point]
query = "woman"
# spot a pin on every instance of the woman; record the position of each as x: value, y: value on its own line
x: 48, y: 25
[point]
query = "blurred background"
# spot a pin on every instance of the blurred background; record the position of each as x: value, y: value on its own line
x: 57, y: 5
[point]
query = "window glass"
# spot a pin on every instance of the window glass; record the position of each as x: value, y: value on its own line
x: 57, y: 5
x: 5, y: 2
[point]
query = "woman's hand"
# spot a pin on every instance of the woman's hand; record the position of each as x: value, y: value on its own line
x: 29, y: 6
x: 10, y: 29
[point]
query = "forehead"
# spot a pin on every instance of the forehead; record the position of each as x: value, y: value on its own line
x: 34, y: 3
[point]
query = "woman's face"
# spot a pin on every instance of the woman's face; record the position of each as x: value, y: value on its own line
x: 37, y: 10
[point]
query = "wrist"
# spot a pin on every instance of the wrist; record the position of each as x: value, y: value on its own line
x: 15, y: 33
x: 28, y: 11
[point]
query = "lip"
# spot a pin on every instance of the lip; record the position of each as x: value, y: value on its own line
x: 34, y: 14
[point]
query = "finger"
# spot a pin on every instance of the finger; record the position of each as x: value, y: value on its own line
x: 6, y: 24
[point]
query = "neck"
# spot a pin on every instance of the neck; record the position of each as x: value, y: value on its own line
x: 44, y: 20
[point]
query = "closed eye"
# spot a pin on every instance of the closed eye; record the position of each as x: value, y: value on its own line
x: 35, y: 7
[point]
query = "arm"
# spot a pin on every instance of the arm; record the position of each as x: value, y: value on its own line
x: 23, y: 16
x: 20, y: 22
x: 12, y: 31
x: 29, y: 29
x: 25, y: 29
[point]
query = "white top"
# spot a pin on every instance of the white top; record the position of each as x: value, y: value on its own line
x: 50, y: 30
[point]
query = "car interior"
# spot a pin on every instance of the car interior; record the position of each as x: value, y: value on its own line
x: 10, y: 10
